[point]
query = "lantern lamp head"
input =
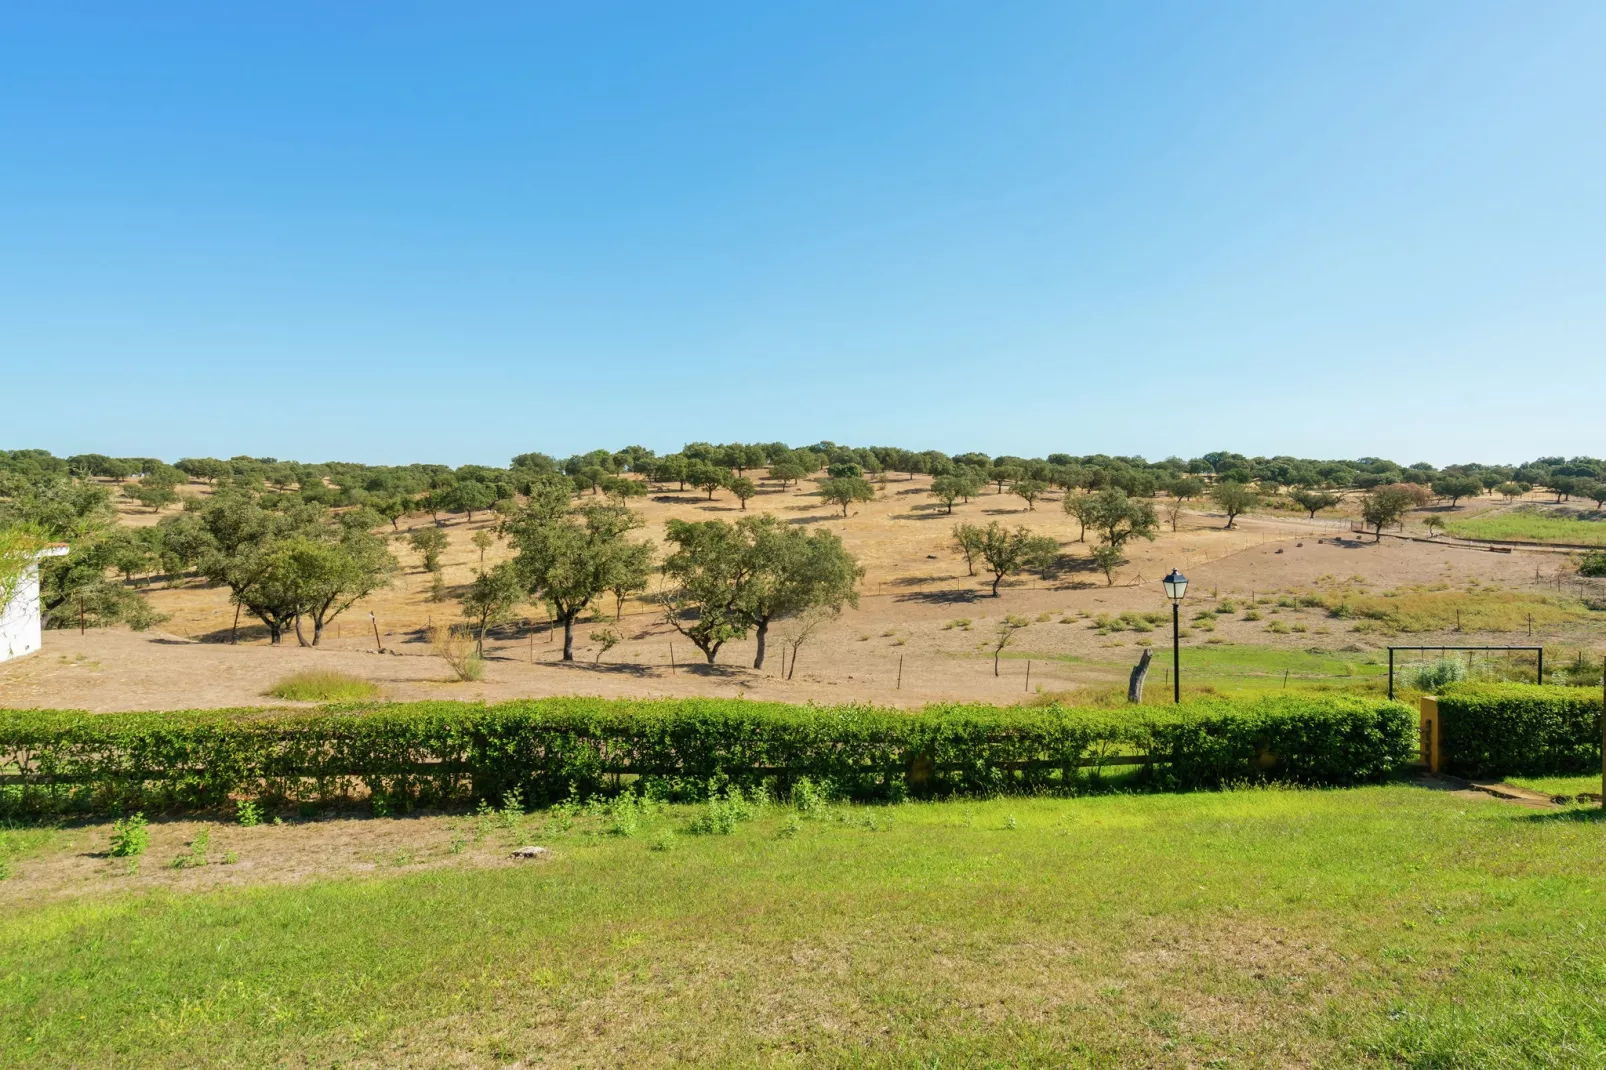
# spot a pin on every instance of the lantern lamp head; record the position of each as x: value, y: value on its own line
x: 1176, y: 585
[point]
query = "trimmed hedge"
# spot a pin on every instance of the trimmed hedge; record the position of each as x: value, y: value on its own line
x: 1506, y: 729
x: 437, y: 753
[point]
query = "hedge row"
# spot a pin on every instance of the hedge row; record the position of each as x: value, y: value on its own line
x: 1508, y: 729
x: 439, y: 753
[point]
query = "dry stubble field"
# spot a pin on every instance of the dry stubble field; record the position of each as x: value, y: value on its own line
x: 920, y: 616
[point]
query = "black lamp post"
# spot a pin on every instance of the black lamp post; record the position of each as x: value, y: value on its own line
x: 1176, y: 585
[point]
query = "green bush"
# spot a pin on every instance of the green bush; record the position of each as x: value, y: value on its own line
x: 1519, y: 729
x: 438, y: 753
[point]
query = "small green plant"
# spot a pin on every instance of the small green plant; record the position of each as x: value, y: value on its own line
x: 512, y: 809
x: 627, y: 812
x: 720, y: 815
x: 195, y: 857
x: 323, y: 686
x: 791, y: 828
x: 1277, y: 627
x: 662, y: 840
x: 1251, y: 615
x: 130, y: 837
x: 5, y: 870
x: 606, y: 639
x: 1226, y: 605
x: 250, y: 814
x: 807, y: 796
x: 380, y: 804
x: 1010, y: 822
x: 229, y: 858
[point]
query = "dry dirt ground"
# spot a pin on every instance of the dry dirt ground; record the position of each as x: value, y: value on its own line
x: 922, y: 632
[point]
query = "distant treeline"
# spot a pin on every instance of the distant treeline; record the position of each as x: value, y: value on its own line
x: 349, y: 483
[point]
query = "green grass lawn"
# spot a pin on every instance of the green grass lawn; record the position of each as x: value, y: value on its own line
x: 1380, y: 926
x: 1558, y: 785
x: 1530, y: 527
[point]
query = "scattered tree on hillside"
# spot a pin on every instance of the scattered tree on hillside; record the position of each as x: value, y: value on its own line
x: 1595, y: 492
x: 1006, y: 631
x: 743, y: 488
x: 846, y: 490
x: 787, y: 471
x: 796, y: 630
x: 949, y: 489
x: 1233, y: 499
x: 967, y: 539
x: 794, y: 572
x: 1029, y: 490
x: 707, y: 477
x: 1511, y: 491
x: 152, y: 496
x: 1118, y: 518
x: 568, y: 559
x: 1384, y: 506
x: 1008, y: 552
x: 491, y: 599
x: 1108, y: 558
x: 709, y: 573
x: 1434, y: 524
x: 483, y: 541
x: 327, y: 575
x: 1181, y: 490
x: 428, y: 544
x: 1314, y: 501
x: 1457, y: 487
x: 1082, y: 507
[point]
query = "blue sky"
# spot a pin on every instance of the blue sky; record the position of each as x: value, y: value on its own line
x: 395, y: 232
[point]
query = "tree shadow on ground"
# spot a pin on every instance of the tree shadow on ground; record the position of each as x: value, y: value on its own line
x: 611, y: 668
x: 678, y: 499
x: 1588, y: 814
x: 963, y: 596
x: 812, y: 519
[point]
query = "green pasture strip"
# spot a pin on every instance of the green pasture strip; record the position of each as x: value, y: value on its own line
x: 1380, y: 926
x: 1530, y: 527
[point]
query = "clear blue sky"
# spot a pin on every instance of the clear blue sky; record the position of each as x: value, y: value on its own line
x: 406, y: 231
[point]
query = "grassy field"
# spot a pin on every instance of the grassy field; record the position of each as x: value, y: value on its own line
x: 1377, y: 926
x: 1558, y: 785
x: 1530, y: 527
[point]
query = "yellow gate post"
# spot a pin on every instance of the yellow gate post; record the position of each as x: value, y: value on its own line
x: 1428, y: 732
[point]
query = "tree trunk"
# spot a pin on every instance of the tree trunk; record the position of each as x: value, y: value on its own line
x: 317, y: 630
x: 997, y: 578
x: 1140, y: 672
x: 568, y: 637
x: 299, y: 637
x: 763, y: 632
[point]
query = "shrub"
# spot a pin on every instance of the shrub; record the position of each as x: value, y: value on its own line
x: 458, y: 649
x: 323, y: 686
x: 438, y: 753
x: 1519, y: 729
x: 1438, y: 674
x: 1593, y: 564
x: 130, y: 837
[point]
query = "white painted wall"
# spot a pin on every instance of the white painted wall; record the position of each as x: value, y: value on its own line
x: 19, y: 620
x: 20, y: 631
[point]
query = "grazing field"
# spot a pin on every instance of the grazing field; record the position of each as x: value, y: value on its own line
x: 1530, y: 526
x: 1368, y: 927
